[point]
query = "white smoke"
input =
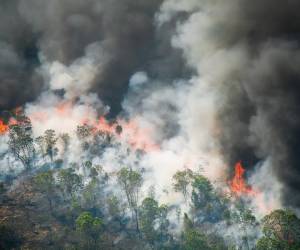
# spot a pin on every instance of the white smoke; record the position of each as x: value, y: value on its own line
x: 215, y: 64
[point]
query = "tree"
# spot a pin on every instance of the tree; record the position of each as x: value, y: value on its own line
x: 45, y: 184
x: 149, y: 212
x: 84, y: 134
x: 131, y: 182
x: 84, y: 131
x: 244, y: 217
x: 281, y: 229
x: 154, y: 222
x: 194, y: 240
x: 207, y: 204
x: 65, y: 137
x: 90, y: 228
x: 163, y: 223
x: 92, y: 194
x: 50, y: 140
x: 182, y: 180
x: 41, y: 145
x: 21, y: 142
x: 114, y: 206
x: 69, y: 181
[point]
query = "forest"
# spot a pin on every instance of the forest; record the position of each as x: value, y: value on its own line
x: 48, y: 204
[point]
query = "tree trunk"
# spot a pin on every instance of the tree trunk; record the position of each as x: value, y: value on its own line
x: 137, y: 220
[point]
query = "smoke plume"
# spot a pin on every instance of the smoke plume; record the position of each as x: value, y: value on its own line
x: 216, y: 82
x: 250, y: 60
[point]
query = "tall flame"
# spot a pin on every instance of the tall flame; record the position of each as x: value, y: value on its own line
x: 238, y: 185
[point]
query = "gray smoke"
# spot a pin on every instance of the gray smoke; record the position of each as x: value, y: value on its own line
x: 249, y: 52
x: 240, y: 97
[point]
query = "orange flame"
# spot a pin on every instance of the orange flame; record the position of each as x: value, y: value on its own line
x: 64, y: 107
x: 132, y: 133
x: 238, y: 185
x: 137, y: 137
x: 104, y: 126
x: 3, y: 128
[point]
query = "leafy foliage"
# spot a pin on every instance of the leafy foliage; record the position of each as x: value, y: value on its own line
x: 131, y: 182
x: 77, y: 205
x: 21, y: 141
x: 281, y: 230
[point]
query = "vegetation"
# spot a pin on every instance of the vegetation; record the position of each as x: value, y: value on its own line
x: 78, y: 205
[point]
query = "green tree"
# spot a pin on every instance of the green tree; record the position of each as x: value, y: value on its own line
x: 92, y: 194
x: 163, y: 223
x: 149, y: 212
x: 131, y: 182
x: 90, y: 228
x: 45, y: 184
x: 243, y: 216
x: 114, y: 206
x: 41, y: 146
x: 70, y: 182
x: 154, y: 222
x: 182, y: 180
x: 50, y: 140
x: 195, y: 240
x: 281, y: 229
x: 21, y: 141
x: 207, y: 205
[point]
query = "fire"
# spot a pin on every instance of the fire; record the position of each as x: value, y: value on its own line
x: 137, y: 137
x: 131, y: 132
x: 103, y: 125
x: 64, y: 108
x: 238, y: 185
x: 3, y: 128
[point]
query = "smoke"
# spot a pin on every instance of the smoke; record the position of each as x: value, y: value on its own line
x: 249, y: 60
x: 59, y: 32
x: 210, y: 82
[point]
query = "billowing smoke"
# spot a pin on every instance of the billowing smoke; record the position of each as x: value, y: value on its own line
x: 211, y: 82
x: 61, y: 31
x: 248, y: 51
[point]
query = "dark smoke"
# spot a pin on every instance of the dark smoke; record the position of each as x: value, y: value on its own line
x: 262, y: 115
x: 62, y: 29
x: 18, y: 59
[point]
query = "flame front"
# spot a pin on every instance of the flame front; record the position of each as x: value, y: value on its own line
x: 136, y: 137
x: 238, y: 185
